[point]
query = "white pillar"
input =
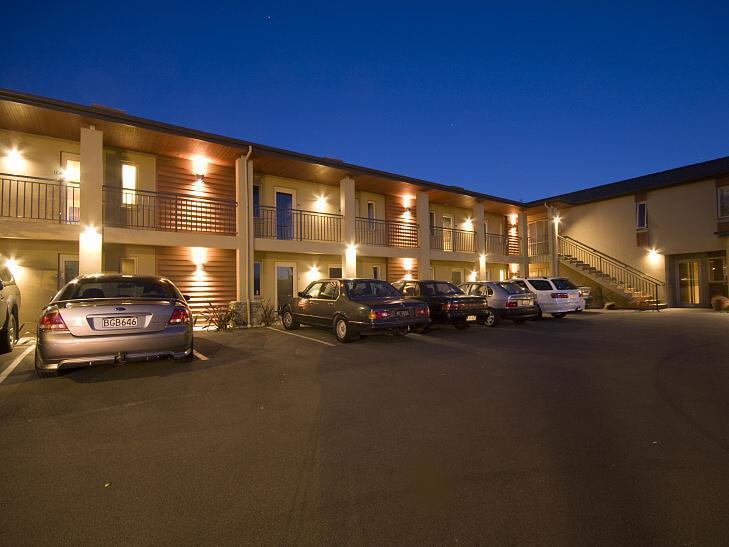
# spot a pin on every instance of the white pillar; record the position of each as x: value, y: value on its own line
x: 553, y: 229
x: 422, y: 215
x: 90, y: 201
x: 347, y: 205
x: 480, y: 220
x: 244, y: 212
x: 524, y: 244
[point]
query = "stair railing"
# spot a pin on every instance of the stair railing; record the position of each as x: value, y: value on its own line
x: 616, y: 271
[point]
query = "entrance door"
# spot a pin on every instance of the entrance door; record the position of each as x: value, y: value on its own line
x: 284, y: 214
x: 689, y: 282
x: 447, y: 233
x: 717, y: 276
x: 67, y: 269
x: 285, y: 282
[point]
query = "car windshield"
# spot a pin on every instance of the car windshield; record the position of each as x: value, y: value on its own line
x: 368, y: 288
x: 439, y: 288
x: 121, y: 287
x: 512, y: 288
x: 541, y: 284
x: 564, y: 284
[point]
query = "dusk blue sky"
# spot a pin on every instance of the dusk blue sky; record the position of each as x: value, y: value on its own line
x: 514, y: 99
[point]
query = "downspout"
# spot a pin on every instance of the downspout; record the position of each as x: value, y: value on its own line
x: 249, y: 254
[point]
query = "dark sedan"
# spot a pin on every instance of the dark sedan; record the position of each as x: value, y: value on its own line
x: 353, y: 307
x: 447, y: 303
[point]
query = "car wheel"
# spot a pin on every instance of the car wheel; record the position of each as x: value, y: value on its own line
x: 400, y: 332
x: 288, y: 320
x: 490, y: 320
x: 342, y: 330
x: 558, y: 315
x: 462, y: 326
x: 38, y: 367
x: 539, y: 314
x: 9, y: 334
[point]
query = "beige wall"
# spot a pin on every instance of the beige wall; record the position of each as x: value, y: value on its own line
x: 145, y: 258
x: 307, y: 193
x: 365, y: 263
x: 41, y: 155
x: 459, y: 215
x: 362, y: 199
x: 303, y: 262
x: 146, y: 168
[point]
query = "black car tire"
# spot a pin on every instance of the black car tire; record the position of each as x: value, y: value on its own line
x: 9, y: 334
x: 39, y: 363
x: 491, y: 319
x: 400, y: 332
x: 288, y: 321
x: 558, y: 315
x: 342, y: 330
x: 539, y: 314
x: 462, y: 326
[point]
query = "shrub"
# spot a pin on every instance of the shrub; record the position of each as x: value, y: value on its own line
x: 221, y: 317
x: 269, y: 313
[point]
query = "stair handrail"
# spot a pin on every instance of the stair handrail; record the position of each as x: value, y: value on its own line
x: 617, y: 262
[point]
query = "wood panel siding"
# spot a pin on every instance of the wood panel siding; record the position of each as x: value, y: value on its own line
x: 396, y: 270
x: 175, y: 176
x: 643, y: 239
x: 215, y: 283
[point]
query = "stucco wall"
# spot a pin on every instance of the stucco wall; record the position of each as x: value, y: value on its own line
x: 41, y: 156
x: 307, y: 193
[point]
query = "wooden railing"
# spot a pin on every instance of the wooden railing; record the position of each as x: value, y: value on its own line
x: 453, y: 240
x: 505, y: 245
x: 37, y: 198
x: 386, y: 233
x: 171, y: 212
x: 296, y: 224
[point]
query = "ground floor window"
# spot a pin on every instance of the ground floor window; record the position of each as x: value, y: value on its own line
x: 456, y: 277
x: 376, y: 272
x: 335, y: 272
x: 257, y: 279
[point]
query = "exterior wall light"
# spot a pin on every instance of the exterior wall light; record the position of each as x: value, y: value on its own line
x: 407, y: 263
x: 200, y: 168
x: 14, y: 160
x: 654, y: 257
x: 199, y: 256
x: 473, y: 276
x: 14, y: 267
x: 468, y: 225
x: 513, y: 219
x: 320, y: 204
x: 313, y: 274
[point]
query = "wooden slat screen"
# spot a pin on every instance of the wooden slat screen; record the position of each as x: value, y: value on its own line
x: 396, y: 270
x: 175, y: 175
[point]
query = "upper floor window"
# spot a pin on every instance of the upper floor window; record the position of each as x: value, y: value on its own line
x: 641, y: 210
x: 371, y: 210
x: 431, y: 216
x: 71, y: 164
x: 129, y: 184
x: 723, y: 201
x: 256, y: 200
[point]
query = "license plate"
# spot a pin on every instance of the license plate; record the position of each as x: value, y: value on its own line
x: 119, y: 322
x: 403, y: 313
x: 573, y: 296
x: 470, y: 318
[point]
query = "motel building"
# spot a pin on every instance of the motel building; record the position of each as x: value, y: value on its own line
x: 87, y: 189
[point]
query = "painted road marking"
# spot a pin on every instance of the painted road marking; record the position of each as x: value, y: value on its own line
x: 199, y: 355
x: 302, y: 336
x: 5, y: 373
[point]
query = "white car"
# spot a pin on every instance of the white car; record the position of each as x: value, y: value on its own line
x: 555, y: 295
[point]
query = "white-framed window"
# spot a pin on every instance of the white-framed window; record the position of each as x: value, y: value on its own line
x: 129, y: 184
x: 71, y: 165
x: 71, y: 173
x: 641, y: 213
x: 456, y: 276
x: 257, y: 279
x: 722, y: 199
x: 129, y: 265
x: 335, y: 271
x: 376, y: 272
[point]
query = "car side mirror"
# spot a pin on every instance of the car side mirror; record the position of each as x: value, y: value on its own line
x: 302, y: 295
x: 186, y: 297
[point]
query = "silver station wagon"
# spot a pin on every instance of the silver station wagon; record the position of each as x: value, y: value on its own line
x: 506, y: 299
x: 112, y: 318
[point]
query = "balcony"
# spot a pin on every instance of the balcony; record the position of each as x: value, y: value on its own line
x: 452, y: 240
x: 169, y: 212
x: 504, y: 245
x: 296, y: 224
x: 35, y: 198
x: 385, y: 233
x: 538, y: 247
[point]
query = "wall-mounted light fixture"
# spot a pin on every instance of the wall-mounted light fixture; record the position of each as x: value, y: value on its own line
x: 407, y: 202
x: 407, y: 264
x: 320, y: 204
x: 473, y: 276
x: 468, y: 224
x: 513, y: 219
x: 200, y: 168
x: 313, y: 273
x: 14, y: 160
x: 654, y: 257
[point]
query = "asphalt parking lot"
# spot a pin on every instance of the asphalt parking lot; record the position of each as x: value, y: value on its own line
x: 603, y: 427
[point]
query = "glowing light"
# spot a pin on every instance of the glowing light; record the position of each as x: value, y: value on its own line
x: 90, y: 242
x: 199, y: 256
x: 557, y: 219
x: 313, y: 274
x: 513, y: 219
x: 407, y: 201
x: 14, y: 267
x: 468, y: 224
x: 72, y: 172
x: 320, y: 204
x: 473, y: 275
x: 14, y: 159
x: 502, y: 275
x: 200, y: 168
x: 408, y: 263
x: 654, y: 257
x: 408, y: 277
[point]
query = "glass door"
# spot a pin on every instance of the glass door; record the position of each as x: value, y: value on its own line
x: 689, y: 283
x: 717, y: 276
x: 67, y: 269
x: 285, y: 283
x: 447, y: 233
x: 284, y: 215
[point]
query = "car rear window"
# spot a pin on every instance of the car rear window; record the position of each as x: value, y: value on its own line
x: 541, y: 284
x: 368, y: 288
x: 439, y: 288
x: 564, y: 284
x: 512, y: 288
x: 85, y: 289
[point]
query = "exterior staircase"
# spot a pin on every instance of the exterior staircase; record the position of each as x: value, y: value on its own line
x: 639, y: 289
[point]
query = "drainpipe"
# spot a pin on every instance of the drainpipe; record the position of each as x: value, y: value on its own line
x: 248, y: 238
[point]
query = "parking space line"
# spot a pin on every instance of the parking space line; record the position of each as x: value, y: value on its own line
x: 199, y: 355
x: 5, y: 373
x: 302, y: 336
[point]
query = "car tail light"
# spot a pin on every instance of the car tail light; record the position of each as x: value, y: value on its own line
x: 423, y: 311
x: 452, y: 306
x: 179, y: 316
x: 560, y: 295
x: 52, y: 320
x: 379, y: 314
x: 512, y: 304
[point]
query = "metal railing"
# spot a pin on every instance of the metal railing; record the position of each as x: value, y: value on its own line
x: 452, y: 239
x: 39, y: 198
x: 296, y: 224
x: 538, y: 247
x: 170, y: 212
x: 386, y: 233
x: 617, y: 272
x: 505, y: 245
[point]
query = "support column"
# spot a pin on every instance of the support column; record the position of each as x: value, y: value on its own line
x: 347, y: 206
x: 244, y: 256
x: 422, y: 216
x: 553, y: 228
x: 523, y: 244
x: 480, y: 220
x: 90, y: 201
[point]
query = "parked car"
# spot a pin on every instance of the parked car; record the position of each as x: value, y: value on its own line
x: 447, y: 303
x: 112, y: 318
x: 353, y: 307
x: 9, y: 309
x: 506, y: 299
x: 586, y: 293
x: 555, y: 295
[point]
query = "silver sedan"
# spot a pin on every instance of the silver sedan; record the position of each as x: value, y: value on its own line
x: 112, y: 318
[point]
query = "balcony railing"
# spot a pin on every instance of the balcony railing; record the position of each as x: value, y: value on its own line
x: 453, y: 240
x: 505, y: 245
x: 296, y: 224
x: 170, y: 212
x: 38, y: 198
x: 386, y: 233
x: 538, y: 247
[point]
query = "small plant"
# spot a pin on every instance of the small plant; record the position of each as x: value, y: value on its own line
x: 221, y: 317
x: 269, y: 313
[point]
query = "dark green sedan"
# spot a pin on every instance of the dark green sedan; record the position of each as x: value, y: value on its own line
x: 353, y: 307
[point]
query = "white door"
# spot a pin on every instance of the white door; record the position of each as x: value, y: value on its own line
x: 447, y: 233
